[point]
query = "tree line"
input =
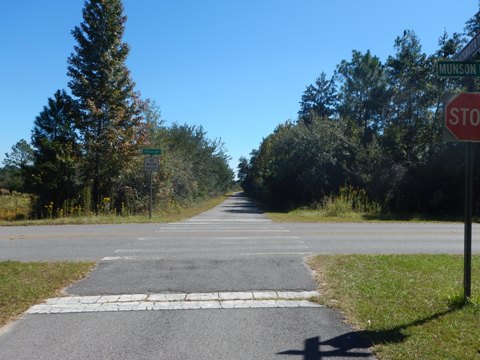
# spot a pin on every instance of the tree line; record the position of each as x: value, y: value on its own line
x: 84, y: 153
x: 375, y: 126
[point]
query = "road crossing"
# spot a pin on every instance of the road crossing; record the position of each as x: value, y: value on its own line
x: 227, y: 284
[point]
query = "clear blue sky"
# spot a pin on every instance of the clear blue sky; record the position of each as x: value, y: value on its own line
x: 236, y: 67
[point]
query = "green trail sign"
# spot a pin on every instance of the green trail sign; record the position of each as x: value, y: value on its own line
x: 151, y: 151
x: 458, y: 69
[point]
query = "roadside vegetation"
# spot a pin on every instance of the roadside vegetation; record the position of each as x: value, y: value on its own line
x: 313, y: 215
x: 85, y: 154
x: 350, y: 205
x: 25, y: 284
x: 170, y: 214
x: 15, y: 206
x: 374, y: 126
x: 406, y: 306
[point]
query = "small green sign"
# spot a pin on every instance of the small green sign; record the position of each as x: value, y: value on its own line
x: 151, y: 151
x: 458, y: 69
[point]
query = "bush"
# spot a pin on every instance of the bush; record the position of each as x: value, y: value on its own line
x: 348, y: 201
x: 16, y: 206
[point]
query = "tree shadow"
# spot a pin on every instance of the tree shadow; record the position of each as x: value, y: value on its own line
x: 243, y: 208
x: 244, y: 211
x: 357, y: 344
x: 240, y: 206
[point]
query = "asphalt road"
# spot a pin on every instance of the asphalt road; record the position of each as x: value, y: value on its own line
x: 233, y: 247
x: 236, y: 230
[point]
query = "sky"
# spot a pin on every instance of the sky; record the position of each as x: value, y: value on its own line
x: 237, y: 68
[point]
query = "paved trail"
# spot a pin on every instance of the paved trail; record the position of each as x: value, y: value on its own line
x: 227, y: 284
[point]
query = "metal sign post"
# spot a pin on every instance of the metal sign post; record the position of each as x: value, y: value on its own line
x: 467, y: 253
x: 468, y: 122
x: 467, y: 263
x: 464, y: 133
x: 151, y: 165
x: 150, y: 208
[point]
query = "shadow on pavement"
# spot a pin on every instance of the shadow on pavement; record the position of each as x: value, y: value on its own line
x: 242, y: 207
x: 241, y: 210
x: 357, y: 344
x: 342, y: 348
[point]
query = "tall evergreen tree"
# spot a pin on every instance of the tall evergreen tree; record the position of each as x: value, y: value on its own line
x: 363, y: 92
x: 56, y: 152
x: 110, y: 117
x: 318, y: 100
x: 242, y: 169
x: 408, y: 71
x: 438, y: 86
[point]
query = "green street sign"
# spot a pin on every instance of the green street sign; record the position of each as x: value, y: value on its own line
x: 151, y: 151
x: 458, y: 69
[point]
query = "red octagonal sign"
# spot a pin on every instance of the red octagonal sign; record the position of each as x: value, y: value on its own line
x: 462, y: 116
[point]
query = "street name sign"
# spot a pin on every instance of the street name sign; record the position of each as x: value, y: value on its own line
x: 470, y: 50
x: 462, y: 116
x: 458, y: 69
x: 151, y: 151
x: 151, y: 164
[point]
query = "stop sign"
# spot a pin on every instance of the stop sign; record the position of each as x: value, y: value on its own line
x: 462, y: 116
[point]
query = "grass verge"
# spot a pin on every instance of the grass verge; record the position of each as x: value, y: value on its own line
x: 170, y: 215
x: 307, y: 215
x: 407, y: 306
x: 318, y: 216
x: 25, y: 284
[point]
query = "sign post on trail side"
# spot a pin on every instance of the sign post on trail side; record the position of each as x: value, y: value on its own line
x: 151, y: 165
x: 151, y: 151
x: 462, y: 124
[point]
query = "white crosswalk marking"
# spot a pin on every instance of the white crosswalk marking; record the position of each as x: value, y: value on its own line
x: 180, y: 301
x: 232, y: 238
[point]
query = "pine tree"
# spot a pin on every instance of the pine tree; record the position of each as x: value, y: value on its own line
x: 56, y: 153
x: 363, y: 92
x: 101, y: 82
x: 318, y: 100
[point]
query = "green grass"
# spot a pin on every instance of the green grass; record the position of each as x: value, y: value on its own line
x: 25, y: 284
x: 310, y: 215
x: 314, y: 216
x: 169, y: 215
x: 408, y: 306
